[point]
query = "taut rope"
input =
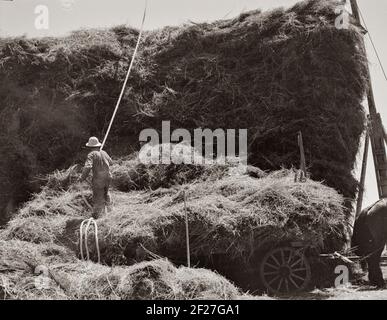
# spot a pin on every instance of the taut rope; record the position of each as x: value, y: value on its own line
x: 126, y: 78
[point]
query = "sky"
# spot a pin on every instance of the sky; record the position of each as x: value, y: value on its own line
x: 18, y: 17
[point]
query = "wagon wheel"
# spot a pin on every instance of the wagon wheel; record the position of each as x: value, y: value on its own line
x: 285, y: 270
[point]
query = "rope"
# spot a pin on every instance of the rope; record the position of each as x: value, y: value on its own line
x: 127, y: 77
x: 373, y: 45
x: 83, y: 237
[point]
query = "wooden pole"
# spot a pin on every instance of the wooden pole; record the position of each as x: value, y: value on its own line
x: 187, y: 230
x: 355, y: 10
x: 363, y: 175
x: 302, y: 156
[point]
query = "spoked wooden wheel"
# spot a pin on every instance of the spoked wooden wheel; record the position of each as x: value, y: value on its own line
x: 285, y: 270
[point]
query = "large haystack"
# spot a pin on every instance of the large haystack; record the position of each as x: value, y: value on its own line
x: 231, y: 216
x: 273, y: 73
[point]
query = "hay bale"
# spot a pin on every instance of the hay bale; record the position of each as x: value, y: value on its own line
x: 156, y: 280
x: 132, y: 174
x: 274, y: 73
x: 234, y: 215
x: 67, y: 278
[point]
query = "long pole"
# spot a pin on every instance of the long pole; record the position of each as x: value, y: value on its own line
x: 302, y: 156
x: 355, y: 10
x: 187, y: 230
x: 363, y: 175
x: 385, y: 134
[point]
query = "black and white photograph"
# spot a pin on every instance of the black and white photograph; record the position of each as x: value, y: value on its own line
x: 193, y: 156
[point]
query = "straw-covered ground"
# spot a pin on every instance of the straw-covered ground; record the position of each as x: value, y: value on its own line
x: 232, y: 215
x: 47, y: 271
x: 274, y: 73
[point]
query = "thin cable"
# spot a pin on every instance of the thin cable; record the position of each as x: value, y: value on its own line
x: 127, y: 77
x: 373, y: 44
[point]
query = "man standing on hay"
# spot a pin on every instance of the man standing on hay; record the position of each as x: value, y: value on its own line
x: 99, y: 162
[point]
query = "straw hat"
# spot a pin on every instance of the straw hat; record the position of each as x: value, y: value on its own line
x: 93, y: 142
